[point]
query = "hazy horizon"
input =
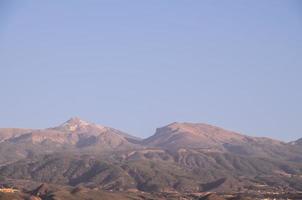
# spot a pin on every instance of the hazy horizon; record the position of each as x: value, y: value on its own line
x: 136, y: 66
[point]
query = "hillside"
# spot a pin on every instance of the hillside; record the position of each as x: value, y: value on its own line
x: 215, y: 139
x: 74, y: 135
x: 180, y: 157
x: 156, y: 170
x: 7, y: 133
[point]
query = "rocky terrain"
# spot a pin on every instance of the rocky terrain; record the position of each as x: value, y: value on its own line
x: 297, y: 142
x: 181, y: 159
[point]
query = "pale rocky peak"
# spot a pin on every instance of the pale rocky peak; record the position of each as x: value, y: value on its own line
x: 297, y: 142
x: 76, y: 123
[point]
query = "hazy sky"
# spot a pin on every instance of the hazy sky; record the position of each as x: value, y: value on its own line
x: 137, y: 65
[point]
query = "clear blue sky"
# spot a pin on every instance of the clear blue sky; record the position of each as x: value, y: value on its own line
x: 137, y: 65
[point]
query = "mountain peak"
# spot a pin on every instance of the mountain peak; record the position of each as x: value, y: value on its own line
x: 76, y: 123
x: 76, y: 120
x: 187, y: 124
x: 184, y: 134
x: 194, y: 128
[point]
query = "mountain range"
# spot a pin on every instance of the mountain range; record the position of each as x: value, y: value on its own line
x: 179, y: 157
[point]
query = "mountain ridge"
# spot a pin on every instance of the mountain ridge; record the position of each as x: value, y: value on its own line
x: 213, y: 138
x: 192, y: 157
x: 76, y: 122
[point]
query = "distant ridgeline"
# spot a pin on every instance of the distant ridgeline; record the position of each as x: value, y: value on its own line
x: 183, y: 157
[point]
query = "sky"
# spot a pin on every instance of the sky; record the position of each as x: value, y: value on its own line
x: 139, y: 65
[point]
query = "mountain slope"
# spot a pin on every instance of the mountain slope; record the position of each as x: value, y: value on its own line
x: 214, y: 139
x: 178, y: 157
x: 157, y: 170
x: 178, y: 135
x: 6, y: 133
x: 77, y: 132
x: 74, y: 135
